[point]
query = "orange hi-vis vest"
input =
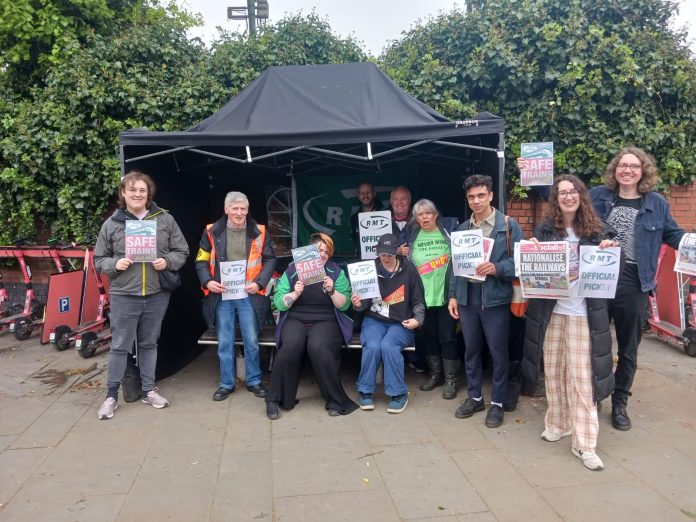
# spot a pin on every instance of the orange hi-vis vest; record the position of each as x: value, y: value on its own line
x: 254, y: 260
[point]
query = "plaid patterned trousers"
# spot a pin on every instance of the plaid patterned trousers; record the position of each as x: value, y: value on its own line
x: 568, y: 379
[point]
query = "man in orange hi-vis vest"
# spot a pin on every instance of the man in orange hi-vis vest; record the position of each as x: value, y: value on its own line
x: 234, y: 237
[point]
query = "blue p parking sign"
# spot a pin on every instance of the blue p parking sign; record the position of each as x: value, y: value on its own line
x: 63, y: 304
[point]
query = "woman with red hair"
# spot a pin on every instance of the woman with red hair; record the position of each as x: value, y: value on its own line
x: 311, y: 322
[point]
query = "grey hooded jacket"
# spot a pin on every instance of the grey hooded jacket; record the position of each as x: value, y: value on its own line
x: 139, y: 279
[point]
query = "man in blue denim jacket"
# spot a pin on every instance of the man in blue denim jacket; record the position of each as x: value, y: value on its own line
x: 643, y: 221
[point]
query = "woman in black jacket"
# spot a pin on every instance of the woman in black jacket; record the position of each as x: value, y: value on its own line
x: 572, y: 333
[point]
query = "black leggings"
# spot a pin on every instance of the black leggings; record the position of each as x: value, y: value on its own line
x: 437, y: 337
x: 321, y: 342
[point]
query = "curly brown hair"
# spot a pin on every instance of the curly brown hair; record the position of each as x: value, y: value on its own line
x: 130, y: 179
x: 586, y: 223
x: 649, y: 179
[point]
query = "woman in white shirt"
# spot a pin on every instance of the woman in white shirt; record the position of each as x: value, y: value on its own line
x: 572, y: 333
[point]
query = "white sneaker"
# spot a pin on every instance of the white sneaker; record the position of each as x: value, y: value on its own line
x: 155, y: 399
x: 106, y: 411
x: 550, y: 436
x: 589, y: 458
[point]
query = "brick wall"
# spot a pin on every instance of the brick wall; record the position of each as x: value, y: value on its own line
x: 530, y: 211
x: 683, y: 203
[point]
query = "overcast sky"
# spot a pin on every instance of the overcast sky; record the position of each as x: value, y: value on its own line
x: 373, y: 22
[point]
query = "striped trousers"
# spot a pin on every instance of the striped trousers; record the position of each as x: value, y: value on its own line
x: 568, y: 379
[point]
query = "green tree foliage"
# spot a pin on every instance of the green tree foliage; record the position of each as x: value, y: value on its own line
x: 295, y: 40
x: 59, y: 154
x: 59, y: 144
x: 35, y: 33
x: 589, y: 75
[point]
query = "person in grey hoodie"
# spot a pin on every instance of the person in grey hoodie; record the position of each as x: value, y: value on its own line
x: 137, y: 301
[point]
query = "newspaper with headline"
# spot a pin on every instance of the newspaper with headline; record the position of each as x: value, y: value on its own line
x: 543, y: 269
x: 685, y: 261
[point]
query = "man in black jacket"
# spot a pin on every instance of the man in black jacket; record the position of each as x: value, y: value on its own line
x: 368, y: 203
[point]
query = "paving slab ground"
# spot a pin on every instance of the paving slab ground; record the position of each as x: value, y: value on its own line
x: 201, y: 460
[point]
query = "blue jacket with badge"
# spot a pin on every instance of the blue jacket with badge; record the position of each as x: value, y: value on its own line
x: 654, y: 226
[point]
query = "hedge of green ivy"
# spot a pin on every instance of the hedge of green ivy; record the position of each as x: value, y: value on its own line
x: 590, y: 75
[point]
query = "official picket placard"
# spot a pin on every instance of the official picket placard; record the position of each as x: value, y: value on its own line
x: 233, y: 278
x: 467, y: 251
x: 544, y: 270
x: 141, y: 240
x: 487, y: 247
x: 538, y: 164
x: 686, y: 256
x: 599, y: 271
x: 363, y: 279
x: 308, y: 264
x: 373, y: 225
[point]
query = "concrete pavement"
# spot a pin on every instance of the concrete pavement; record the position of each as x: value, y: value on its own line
x: 200, y: 460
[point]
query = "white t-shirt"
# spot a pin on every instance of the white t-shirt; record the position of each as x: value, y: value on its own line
x: 572, y: 305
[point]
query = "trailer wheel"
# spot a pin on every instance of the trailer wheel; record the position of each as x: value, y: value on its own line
x: 22, y: 330
x: 62, y: 338
x: 37, y: 310
x: 88, y: 346
x: 7, y: 308
x: 690, y: 341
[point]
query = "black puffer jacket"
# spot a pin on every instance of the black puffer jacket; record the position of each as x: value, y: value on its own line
x: 539, y: 316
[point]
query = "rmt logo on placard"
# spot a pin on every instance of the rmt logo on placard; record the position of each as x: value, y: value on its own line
x: 600, y: 258
x: 233, y: 270
x: 467, y: 241
x: 360, y: 270
x: 374, y: 222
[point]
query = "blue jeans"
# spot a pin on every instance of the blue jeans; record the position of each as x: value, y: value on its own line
x: 225, y: 315
x: 383, y: 341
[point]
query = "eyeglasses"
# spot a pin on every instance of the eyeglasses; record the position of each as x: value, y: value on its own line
x: 136, y: 191
x: 633, y: 166
x: 563, y: 194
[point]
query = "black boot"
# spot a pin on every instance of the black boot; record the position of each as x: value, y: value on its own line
x: 619, y: 418
x: 451, y: 370
x: 436, y: 379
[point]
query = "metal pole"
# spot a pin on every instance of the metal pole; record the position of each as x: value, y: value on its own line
x: 501, y: 173
x: 251, y: 15
x: 122, y: 160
